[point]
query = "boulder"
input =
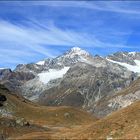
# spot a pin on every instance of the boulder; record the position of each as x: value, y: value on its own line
x: 22, y: 122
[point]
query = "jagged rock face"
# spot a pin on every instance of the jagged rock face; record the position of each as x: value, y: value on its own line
x: 33, y: 88
x: 85, y: 84
x: 13, y: 80
x: 23, y: 76
x: 4, y: 73
x: 68, y: 59
x: 126, y: 57
x: 121, y: 99
x: 34, y: 68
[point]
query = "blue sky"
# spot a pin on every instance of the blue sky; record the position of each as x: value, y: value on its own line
x: 34, y: 30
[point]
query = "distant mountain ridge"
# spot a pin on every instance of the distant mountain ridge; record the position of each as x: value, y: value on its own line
x: 75, y: 78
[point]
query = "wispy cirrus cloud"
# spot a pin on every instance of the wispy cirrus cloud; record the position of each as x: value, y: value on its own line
x: 123, y: 7
x: 21, y: 42
x: 33, y: 33
x: 29, y: 41
x: 48, y: 35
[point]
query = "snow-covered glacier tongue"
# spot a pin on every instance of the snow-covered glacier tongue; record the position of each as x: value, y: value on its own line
x: 43, y: 81
x: 52, y: 74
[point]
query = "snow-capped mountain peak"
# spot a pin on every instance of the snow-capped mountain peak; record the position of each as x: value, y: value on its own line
x: 41, y: 62
x: 69, y: 58
x: 77, y: 51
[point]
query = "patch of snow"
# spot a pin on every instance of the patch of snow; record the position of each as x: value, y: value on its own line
x: 137, y: 62
x: 133, y: 53
x: 59, y: 63
x: 77, y: 51
x: 82, y: 59
x: 33, y: 98
x: 41, y: 63
x: 45, y: 77
x: 134, y: 68
x: 124, y: 54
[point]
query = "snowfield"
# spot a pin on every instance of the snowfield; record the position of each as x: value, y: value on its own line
x: 41, y: 63
x: 52, y: 74
x: 132, y: 53
x: 134, y: 68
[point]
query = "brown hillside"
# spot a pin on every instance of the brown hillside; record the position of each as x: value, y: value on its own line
x: 40, y: 116
x: 123, y: 124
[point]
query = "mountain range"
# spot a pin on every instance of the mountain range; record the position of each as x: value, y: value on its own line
x: 75, y: 78
x: 75, y: 95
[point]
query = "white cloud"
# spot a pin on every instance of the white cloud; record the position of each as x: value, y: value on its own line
x: 35, y: 38
x: 18, y: 41
x: 112, y: 6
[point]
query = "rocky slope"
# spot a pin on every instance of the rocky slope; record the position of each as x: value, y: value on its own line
x: 130, y: 60
x: 14, y: 80
x: 87, y: 82
x: 33, y: 88
x: 118, y: 101
x: 125, y: 57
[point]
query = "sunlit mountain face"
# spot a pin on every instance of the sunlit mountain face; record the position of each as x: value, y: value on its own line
x: 69, y: 70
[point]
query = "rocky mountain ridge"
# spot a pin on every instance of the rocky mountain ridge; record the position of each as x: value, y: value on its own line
x: 75, y: 78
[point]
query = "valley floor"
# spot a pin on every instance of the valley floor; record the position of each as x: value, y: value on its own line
x: 123, y: 124
x: 27, y: 120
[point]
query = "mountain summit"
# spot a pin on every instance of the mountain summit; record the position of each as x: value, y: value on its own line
x: 77, y: 51
x: 74, y: 55
x: 69, y: 58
